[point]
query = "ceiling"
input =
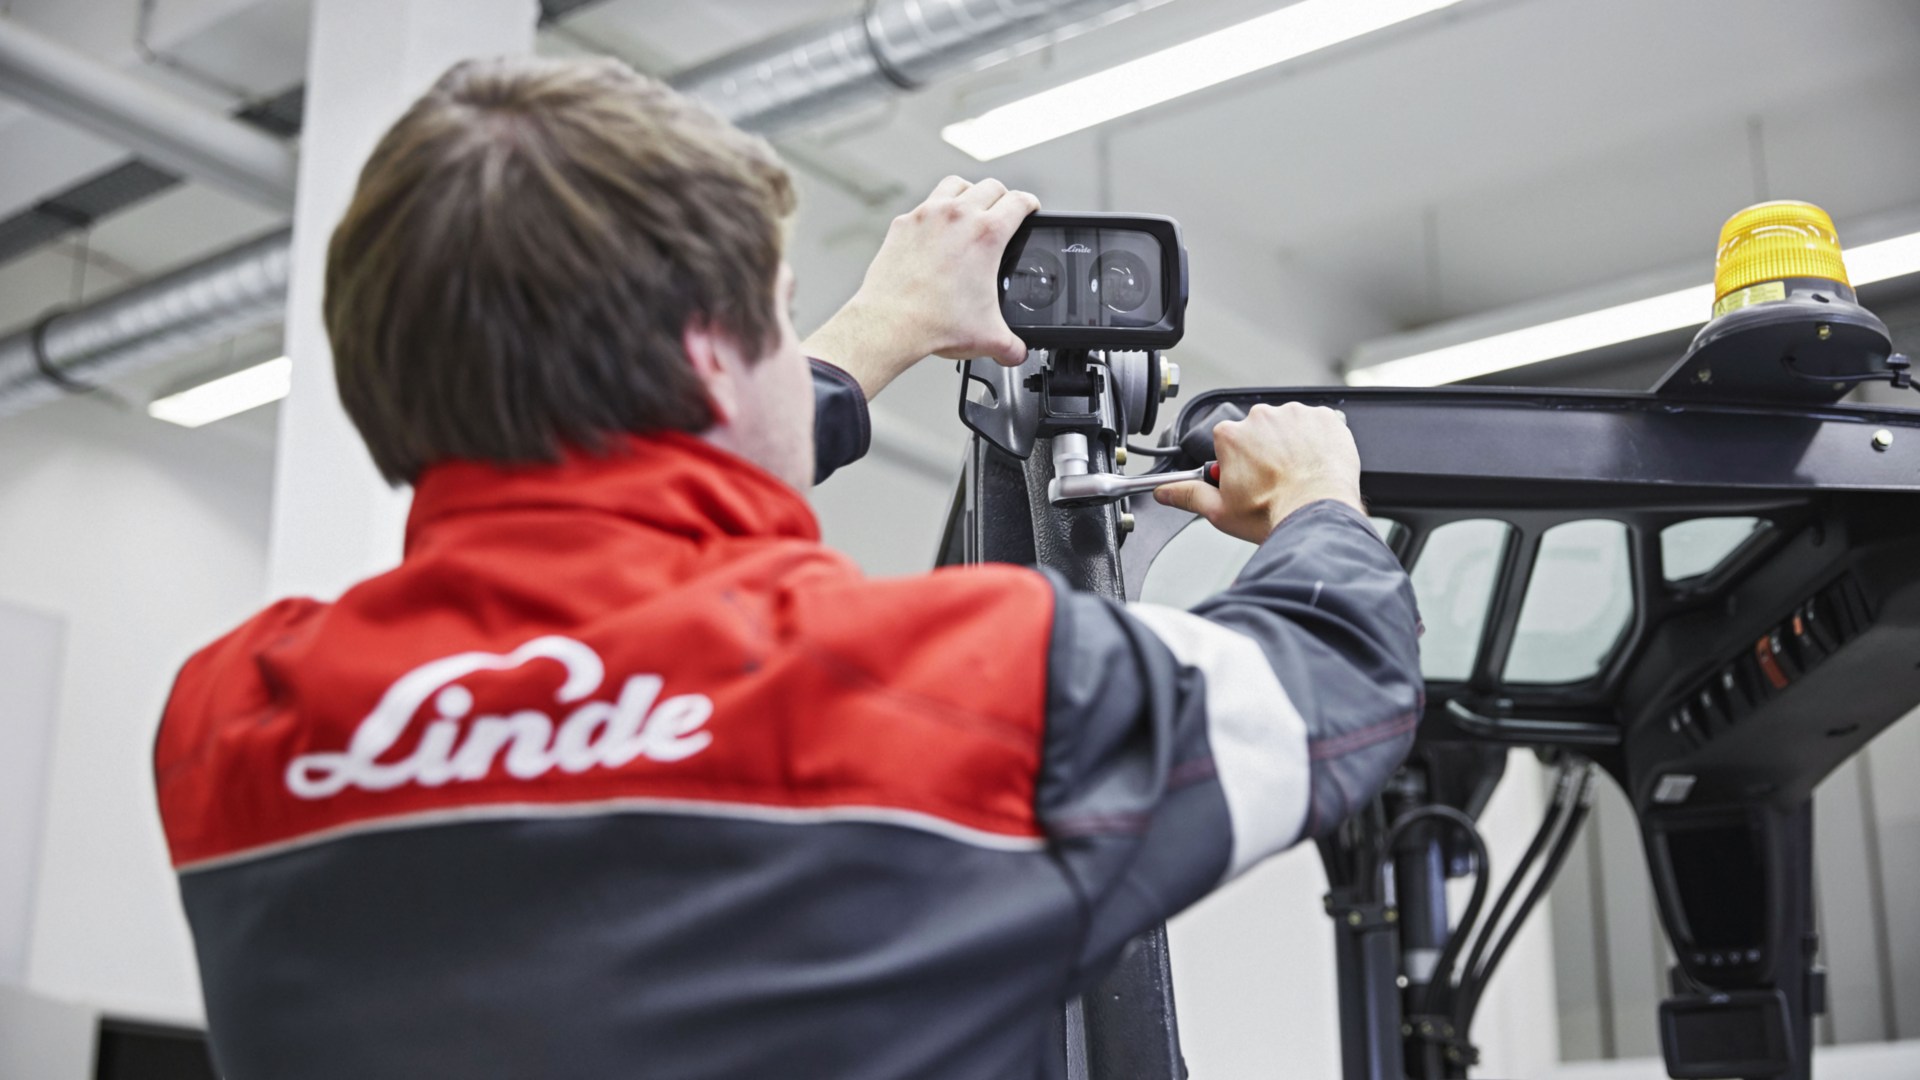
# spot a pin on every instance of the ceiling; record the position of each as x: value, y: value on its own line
x: 1496, y: 153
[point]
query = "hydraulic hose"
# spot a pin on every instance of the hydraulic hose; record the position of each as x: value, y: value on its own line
x: 1564, y: 796
x: 1443, y: 967
x: 1475, y: 982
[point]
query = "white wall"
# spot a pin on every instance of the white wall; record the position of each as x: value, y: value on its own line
x: 42, y: 1039
x: 29, y: 691
x: 148, y: 541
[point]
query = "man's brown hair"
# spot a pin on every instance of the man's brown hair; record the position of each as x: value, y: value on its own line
x: 523, y: 252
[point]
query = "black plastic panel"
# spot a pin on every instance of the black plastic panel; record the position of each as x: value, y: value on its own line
x: 131, y: 1050
x: 1726, y: 1035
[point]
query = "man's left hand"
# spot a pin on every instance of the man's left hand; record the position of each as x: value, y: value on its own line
x: 932, y: 290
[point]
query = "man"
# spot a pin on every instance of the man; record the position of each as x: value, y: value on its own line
x: 621, y: 773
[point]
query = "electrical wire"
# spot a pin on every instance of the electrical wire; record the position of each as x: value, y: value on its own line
x: 1898, y: 374
x: 1153, y: 451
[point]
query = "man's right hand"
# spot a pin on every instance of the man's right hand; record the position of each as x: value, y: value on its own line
x: 1272, y: 463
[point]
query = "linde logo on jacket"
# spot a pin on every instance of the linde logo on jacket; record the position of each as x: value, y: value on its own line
x: 528, y: 742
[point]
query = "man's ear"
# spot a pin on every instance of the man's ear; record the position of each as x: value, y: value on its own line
x: 712, y: 352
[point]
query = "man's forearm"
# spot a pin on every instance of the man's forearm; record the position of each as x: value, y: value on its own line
x: 866, y: 343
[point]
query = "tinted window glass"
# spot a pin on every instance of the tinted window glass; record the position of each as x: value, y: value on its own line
x: 1453, y: 581
x: 1691, y: 548
x: 1579, y: 599
x: 1388, y: 529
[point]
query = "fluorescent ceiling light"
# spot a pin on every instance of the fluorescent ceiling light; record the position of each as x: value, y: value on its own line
x: 1893, y: 258
x: 1532, y: 344
x: 226, y: 396
x: 1274, y: 38
x: 1615, y: 325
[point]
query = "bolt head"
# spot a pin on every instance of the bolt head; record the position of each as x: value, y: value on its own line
x: 1126, y: 523
x: 1704, y: 375
x: 1353, y: 918
x: 1825, y: 331
x: 1882, y: 439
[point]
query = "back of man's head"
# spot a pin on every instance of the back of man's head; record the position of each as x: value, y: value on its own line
x: 524, y: 250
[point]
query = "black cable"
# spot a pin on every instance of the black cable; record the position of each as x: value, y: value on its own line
x: 1563, y: 799
x: 1898, y: 374
x: 1153, y: 451
x: 1443, y: 967
x: 37, y: 348
x: 1563, y: 844
x: 1863, y: 377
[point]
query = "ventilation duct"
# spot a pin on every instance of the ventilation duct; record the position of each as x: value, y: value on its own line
x: 888, y: 47
x: 769, y: 87
x: 240, y: 289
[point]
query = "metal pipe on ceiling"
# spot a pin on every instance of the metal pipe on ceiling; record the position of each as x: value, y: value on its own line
x: 890, y: 46
x: 165, y: 129
x: 804, y: 75
x: 240, y: 289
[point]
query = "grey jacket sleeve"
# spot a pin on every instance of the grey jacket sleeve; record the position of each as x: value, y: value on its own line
x: 1184, y: 747
x: 841, y: 427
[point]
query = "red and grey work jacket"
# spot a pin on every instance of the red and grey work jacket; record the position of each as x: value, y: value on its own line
x: 622, y: 774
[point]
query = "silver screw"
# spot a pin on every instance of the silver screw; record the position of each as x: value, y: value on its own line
x: 1126, y: 523
x: 1119, y: 455
x: 1704, y: 375
x: 1825, y: 331
x: 1882, y: 439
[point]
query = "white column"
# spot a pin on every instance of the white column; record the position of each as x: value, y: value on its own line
x: 334, y: 520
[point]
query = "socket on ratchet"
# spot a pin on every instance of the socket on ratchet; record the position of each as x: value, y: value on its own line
x: 1095, y: 489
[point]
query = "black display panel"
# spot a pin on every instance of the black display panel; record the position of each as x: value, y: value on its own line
x: 1720, y: 875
